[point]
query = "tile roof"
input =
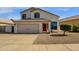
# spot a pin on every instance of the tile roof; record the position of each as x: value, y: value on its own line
x: 6, y: 21
x: 70, y: 18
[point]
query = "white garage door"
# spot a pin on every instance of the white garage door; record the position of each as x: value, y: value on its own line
x: 28, y: 28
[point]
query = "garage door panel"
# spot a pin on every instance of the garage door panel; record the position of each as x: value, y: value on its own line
x: 28, y: 28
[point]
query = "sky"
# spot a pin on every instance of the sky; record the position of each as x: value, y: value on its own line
x: 14, y: 12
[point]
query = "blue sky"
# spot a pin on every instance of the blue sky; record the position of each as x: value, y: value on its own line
x: 14, y: 12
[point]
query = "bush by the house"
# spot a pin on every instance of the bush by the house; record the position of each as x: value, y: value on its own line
x: 76, y: 28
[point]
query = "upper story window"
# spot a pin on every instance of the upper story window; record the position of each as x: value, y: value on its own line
x: 23, y: 16
x: 37, y: 15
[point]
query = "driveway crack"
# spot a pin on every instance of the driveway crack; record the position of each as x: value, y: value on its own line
x: 68, y: 48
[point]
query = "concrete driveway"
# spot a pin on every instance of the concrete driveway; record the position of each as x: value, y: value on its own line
x: 28, y: 42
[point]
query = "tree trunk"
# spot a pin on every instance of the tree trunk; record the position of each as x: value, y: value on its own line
x: 64, y: 33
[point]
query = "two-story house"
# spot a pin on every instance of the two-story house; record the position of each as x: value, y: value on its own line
x: 36, y: 20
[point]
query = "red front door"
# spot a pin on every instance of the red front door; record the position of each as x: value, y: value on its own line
x: 45, y: 27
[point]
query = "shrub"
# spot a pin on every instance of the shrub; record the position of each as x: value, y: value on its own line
x: 75, y: 28
x: 65, y: 28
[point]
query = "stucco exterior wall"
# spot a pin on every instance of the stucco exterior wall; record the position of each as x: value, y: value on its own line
x: 15, y: 28
x: 70, y: 22
x: 28, y: 14
x: 43, y: 14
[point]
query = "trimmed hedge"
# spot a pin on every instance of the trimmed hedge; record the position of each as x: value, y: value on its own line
x: 75, y: 28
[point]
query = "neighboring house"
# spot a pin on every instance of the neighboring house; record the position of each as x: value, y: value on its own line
x: 36, y: 20
x: 73, y: 21
x: 6, y: 25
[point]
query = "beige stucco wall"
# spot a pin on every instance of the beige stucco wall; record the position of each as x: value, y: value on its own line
x: 43, y: 14
x: 15, y: 28
x: 28, y: 13
x: 70, y: 22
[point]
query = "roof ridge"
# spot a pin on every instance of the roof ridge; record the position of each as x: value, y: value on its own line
x: 40, y: 9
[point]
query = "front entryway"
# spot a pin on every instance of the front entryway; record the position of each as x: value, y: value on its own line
x: 12, y: 29
x: 45, y: 27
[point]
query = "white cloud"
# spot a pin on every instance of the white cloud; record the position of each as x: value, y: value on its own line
x: 9, y: 12
x: 64, y: 8
x: 6, y: 10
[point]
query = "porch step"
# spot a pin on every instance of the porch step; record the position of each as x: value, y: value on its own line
x: 57, y: 32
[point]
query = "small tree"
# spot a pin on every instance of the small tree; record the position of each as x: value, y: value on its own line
x: 65, y: 28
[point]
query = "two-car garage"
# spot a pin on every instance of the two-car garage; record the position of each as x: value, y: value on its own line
x: 28, y: 28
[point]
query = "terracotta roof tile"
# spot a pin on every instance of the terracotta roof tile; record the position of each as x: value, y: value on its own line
x: 6, y: 21
x: 70, y: 18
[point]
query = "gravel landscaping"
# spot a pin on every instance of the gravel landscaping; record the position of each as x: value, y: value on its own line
x: 70, y: 38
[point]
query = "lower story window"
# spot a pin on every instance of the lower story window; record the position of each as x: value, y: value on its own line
x: 54, y: 25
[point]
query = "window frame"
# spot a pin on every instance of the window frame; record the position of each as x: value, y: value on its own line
x: 37, y: 15
x: 54, y: 25
x: 23, y: 16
